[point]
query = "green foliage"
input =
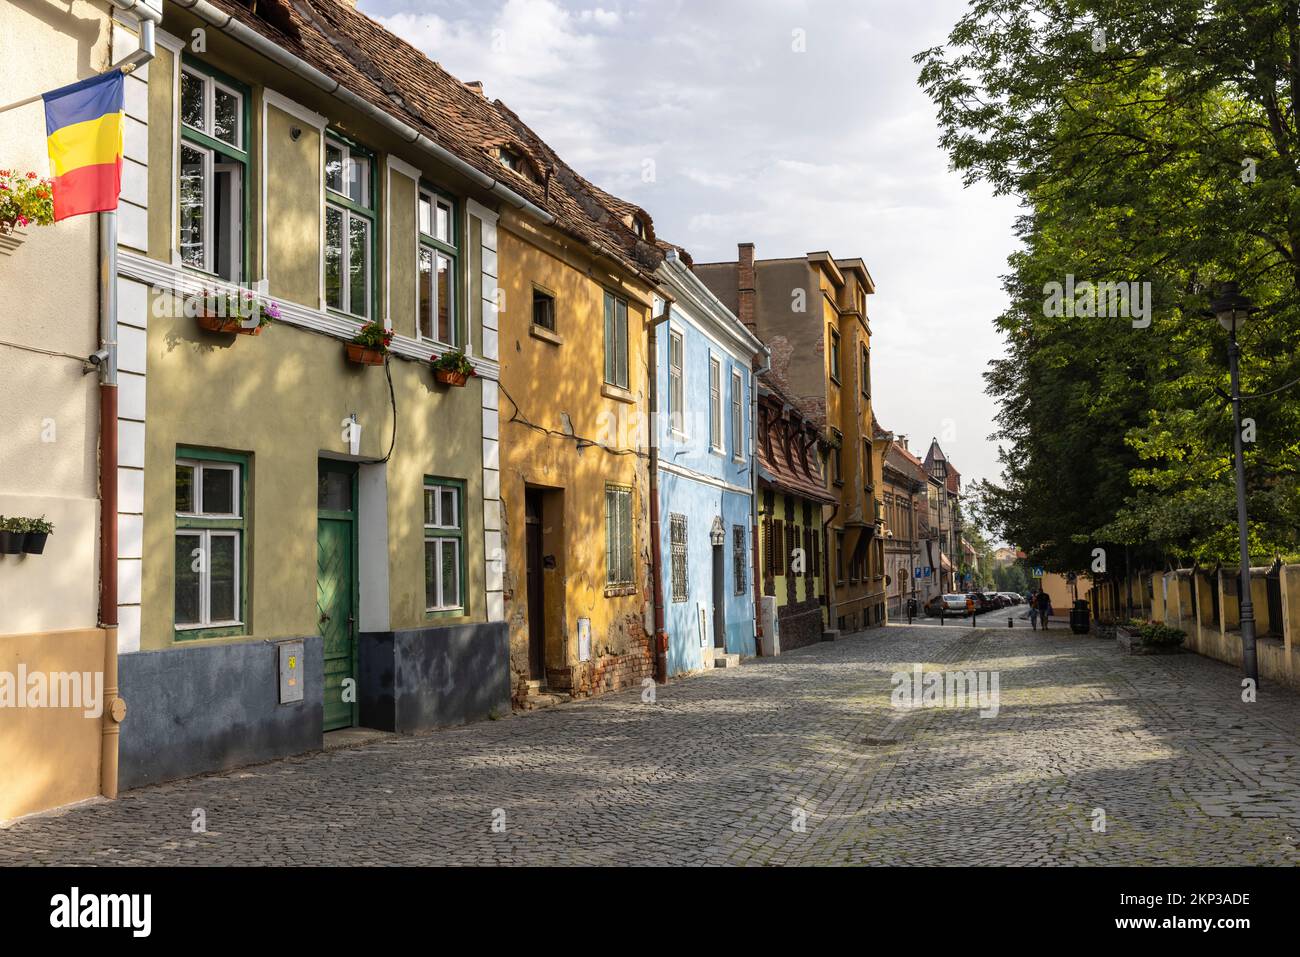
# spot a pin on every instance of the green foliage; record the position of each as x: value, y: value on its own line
x: 1169, y: 157
x: 1156, y: 633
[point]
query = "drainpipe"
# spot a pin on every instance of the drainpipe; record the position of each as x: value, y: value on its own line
x: 753, y: 478
x: 656, y: 550
x: 114, y: 707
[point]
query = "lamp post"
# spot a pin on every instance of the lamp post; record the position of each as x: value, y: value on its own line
x: 1232, y: 309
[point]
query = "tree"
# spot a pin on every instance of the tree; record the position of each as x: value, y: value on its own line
x: 1151, y: 142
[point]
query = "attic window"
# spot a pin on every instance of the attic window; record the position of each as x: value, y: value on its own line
x: 638, y: 227
x: 516, y: 162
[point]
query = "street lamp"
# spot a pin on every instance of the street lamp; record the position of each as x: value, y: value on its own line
x: 1232, y: 309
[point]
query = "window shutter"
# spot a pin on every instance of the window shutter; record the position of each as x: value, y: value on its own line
x: 778, y: 551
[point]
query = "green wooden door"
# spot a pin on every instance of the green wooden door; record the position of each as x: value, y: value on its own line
x: 336, y: 589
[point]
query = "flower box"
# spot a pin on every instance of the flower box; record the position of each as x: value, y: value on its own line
x: 364, y: 355
x: 452, y: 368
x: 225, y: 324
x: 35, y: 543
x: 450, y: 378
x: 11, y: 543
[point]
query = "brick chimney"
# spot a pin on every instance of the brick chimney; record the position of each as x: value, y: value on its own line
x: 745, y: 286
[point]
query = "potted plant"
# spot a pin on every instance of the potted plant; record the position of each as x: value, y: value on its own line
x: 452, y: 368
x: 25, y: 200
x: 13, y: 533
x: 238, y: 311
x: 1150, y: 638
x: 369, y: 346
x: 38, y: 530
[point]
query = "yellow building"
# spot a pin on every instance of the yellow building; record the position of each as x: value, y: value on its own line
x: 575, y: 488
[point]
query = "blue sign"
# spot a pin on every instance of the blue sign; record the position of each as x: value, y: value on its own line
x: 923, y: 572
x: 1036, y: 571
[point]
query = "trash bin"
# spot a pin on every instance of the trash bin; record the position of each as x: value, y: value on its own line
x: 1079, y: 615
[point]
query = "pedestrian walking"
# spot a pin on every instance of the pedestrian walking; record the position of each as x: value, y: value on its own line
x: 1044, y: 607
x: 1033, y: 610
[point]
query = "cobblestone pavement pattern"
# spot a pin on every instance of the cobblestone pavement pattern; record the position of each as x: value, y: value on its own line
x: 722, y: 767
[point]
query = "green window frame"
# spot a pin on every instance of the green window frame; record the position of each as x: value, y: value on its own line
x: 619, y: 563
x: 444, y: 546
x: 212, y: 168
x: 351, y: 208
x: 835, y: 356
x: 616, y: 363
x: 437, y: 224
x: 210, y: 594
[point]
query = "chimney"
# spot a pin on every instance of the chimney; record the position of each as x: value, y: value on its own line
x: 476, y: 86
x: 745, y: 286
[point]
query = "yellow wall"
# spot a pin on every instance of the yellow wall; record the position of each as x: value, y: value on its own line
x: 49, y: 756
x: 293, y: 209
x: 546, y: 378
x: 282, y: 396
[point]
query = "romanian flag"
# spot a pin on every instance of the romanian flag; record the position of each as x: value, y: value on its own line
x: 83, y: 123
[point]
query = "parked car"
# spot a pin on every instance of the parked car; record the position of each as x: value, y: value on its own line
x: 983, y: 602
x: 947, y: 604
x: 1013, y: 598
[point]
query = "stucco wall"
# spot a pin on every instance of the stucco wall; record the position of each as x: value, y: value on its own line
x: 293, y: 209
x: 49, y: 756
x: 281, y: 397
x: 49, y: 433
x: 546, y: 379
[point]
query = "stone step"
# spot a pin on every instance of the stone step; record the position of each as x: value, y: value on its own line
x: 723, y: 660
x: 545, y: 699
x: 830, y: 634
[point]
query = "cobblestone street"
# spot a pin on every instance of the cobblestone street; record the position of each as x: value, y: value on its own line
x: 718, y: 770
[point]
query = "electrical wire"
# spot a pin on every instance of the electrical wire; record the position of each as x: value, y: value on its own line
x: 582, y: 443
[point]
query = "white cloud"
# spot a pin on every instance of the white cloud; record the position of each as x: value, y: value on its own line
x: 833, y: 148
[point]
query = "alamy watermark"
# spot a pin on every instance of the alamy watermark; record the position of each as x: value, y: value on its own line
x: 53, y: 689
x: 1103, y: 300
x: 947, y: 689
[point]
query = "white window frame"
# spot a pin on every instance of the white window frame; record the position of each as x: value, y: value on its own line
x: 338, y: 144
x: 424, y: 244
x: 345, y: 262
x: 205, y: 536
x: 210, y: 86
x: 737, y: 416
x: 441, y: 542
x: 196, y: 485
x: 209, y: 181
x: 716, y: 440
x: 677, y: 384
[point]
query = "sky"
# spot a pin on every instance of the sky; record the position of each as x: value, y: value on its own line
x: 796, y: 125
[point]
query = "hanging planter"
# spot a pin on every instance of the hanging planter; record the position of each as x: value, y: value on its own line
x: 13, y: 535
x: 452, y: 368
x: 38, y: 531
x: 370, y: 345
x: 25, y: 200
x: 237, y: 312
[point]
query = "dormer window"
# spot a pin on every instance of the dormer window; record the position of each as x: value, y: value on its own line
x: 515, y: 161
x: 638, y: 227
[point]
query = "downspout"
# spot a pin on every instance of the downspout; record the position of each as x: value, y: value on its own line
x: 249, y: 37
x: 753, y: 462
x: 114, y: 707
x: 656, y: 550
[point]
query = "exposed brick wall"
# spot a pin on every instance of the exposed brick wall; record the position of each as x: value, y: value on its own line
x: 607, y: 672
x: 801, y: 624
x: 745, y: 287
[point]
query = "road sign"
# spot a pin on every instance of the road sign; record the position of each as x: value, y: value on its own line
x: 1036, y: 571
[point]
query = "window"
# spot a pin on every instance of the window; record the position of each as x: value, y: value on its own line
x: 444, y: 536
x: 349, y: 228
x: 676, y: 394
x: 514, y: 161
x: 868, y: 467
x: 715, y: 405
x: 543, y: 309
x: 616, y: 341
x: 436, y: 265
x: 737, y: 415
x: 212, y: 173
x: 864, y: 373
x: 839, y: 556
x: 837, y: 460
x: 209, y: 543
x: 677, y: 538
x: 738, y: 551
x: 835, y: 355
x: 618, y: 536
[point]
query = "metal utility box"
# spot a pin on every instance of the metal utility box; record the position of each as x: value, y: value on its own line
x: 292, y: 670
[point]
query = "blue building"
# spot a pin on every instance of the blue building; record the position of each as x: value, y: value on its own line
x: 704, y: 427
